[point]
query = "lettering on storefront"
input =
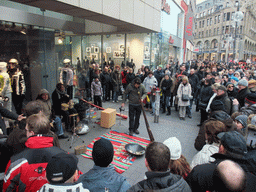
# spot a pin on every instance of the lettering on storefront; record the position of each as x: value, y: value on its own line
x: 171, y: 40
x: 189, y: 27
x: 166, y: 7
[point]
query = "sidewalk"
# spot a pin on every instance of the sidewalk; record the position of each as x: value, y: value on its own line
x: 168, y: 126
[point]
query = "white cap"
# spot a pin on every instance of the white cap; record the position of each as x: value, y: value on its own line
x: 13, y: 61
x: 3, y: 65
x: 66, y: 61
x: 175, y: 147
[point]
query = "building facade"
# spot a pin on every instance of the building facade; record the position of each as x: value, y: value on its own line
x: 214, y: 34
x: 41, y: 34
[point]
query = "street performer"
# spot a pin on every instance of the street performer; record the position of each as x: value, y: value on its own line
x: 135, y: 92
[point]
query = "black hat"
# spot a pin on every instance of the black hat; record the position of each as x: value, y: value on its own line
x: 61, y: 168
x: 137, y: 80
x: 102, y: 152
x: 217, y: 105
x: 250, y: 98
x: 233, y: 142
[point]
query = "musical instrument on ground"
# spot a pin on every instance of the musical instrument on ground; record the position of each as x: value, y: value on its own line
x: 101, y: 108
x: 151, y: 137
x: 135, y: 149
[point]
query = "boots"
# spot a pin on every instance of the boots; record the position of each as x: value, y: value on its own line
x: 168, y: 111
x: 163, y: 110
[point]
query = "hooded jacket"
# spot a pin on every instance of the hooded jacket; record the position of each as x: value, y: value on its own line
x: 133, y: 93
x: 162, y: 182
x: 149, y: 83
x: 26, y: 170
x: 47, y: 106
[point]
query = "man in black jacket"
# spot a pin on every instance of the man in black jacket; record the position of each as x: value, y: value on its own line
x: 232, y: 147
x: 105, y: 79
x: 159, y: 177
x: 223, y: 97
x: 136, y: 93
x: 194, y: 81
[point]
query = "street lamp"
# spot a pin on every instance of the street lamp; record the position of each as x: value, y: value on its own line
x: 237, y: 19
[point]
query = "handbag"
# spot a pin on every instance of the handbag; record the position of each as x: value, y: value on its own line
x: 184, y: 97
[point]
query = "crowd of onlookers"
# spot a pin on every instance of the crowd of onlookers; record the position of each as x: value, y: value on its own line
x: 224, y: 93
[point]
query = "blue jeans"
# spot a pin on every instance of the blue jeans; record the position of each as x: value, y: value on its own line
x: 189, y: 108
x: 58, y: 125
x: 115, y: 97
x: 153, y: 106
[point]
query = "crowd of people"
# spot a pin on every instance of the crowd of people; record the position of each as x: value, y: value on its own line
x: 224, y: 93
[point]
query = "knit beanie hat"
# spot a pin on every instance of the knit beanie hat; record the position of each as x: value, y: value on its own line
x: 235, y: 78
x: 243, y: 82
x: 242, y: 119
x: 61, y: 168
x: 102, y: 152
x: 250, y: 98
x: 175, y: 147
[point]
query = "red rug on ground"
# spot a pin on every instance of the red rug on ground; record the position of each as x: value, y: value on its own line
x: 122, y: 159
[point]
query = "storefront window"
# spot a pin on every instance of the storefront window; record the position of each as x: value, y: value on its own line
x: 138, y: 49
x: 91, y: 47
x: 114, y: 49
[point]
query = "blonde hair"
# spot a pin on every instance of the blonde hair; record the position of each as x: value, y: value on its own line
x: 185, y: 78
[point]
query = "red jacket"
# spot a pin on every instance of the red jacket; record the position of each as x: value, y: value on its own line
x: 123, y: 75
x: 26, y: 170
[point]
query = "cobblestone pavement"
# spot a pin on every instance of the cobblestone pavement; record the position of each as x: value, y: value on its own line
x: 168, y: 126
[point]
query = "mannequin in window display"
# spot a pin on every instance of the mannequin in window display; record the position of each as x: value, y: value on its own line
x: 18, y: 85
x: 66, y: 77
x: 5, y: 86
x: 104, y: 63
x: 123, y: 65
x: 111, y: 63
x: 130, y: 64
x: 78, y: 65
x: 85, y: 64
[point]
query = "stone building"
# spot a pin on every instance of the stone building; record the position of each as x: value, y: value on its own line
x: 214, y: 34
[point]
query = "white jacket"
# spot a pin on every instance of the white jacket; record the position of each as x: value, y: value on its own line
x: 149, y: 83
x: 69, y: 76
x: 204, y: 156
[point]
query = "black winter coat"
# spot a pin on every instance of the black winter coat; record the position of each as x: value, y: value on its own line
x: 206, y: 93
x: 105, y: 78
x: 200, y: 178
x: 166, y: 87
x: 57, y: 100
x: 241, y: 96
x: 130, y: 77
x: 8, y: 114
x: 194, y: 81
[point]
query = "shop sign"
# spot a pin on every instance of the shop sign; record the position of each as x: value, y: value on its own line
x: 189, y: 27
x: 171, y: 40
x: 166, y: 7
